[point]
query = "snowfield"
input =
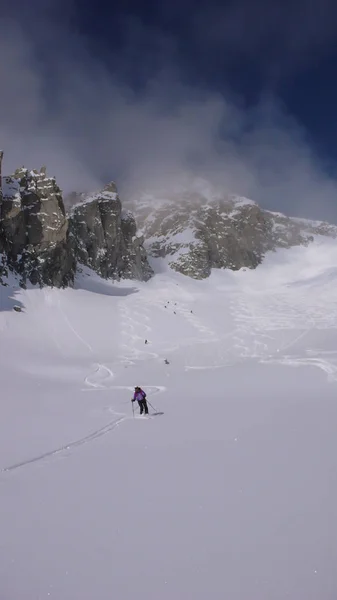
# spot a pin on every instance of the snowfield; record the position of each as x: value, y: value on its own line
x: 229, y: 492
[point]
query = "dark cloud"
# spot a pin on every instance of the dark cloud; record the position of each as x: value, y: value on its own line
x: 62, y: 107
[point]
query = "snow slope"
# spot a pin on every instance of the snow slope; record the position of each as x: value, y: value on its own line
x: 229, y: 492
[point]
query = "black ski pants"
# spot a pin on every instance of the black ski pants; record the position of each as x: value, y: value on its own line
x: 143, y: 407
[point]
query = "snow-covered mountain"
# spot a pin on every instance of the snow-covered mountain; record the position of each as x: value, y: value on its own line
x: 201, y: 229
x: 197, y: 228
x: 228, y: 490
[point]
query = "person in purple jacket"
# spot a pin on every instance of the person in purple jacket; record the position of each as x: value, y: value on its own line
x: 140, y: 397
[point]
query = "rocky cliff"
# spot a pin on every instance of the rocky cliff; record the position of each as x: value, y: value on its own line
x: 44, y: 245
x: 104, y: 238
x: 197, y: 233
x: 34, y: 235
x: 194, y: 231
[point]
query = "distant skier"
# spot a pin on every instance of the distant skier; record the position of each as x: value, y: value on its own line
x: 140, y: 397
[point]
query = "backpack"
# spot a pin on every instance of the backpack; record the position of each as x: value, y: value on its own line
x: 143, y: 394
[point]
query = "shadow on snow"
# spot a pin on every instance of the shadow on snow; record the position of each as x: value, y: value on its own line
x: 8, y: 300
x: 103, y: 287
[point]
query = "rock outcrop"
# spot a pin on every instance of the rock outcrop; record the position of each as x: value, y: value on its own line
x: 197, y: 234
x: 104, y: 238
x: 34, y: 229
x: 43, y: 244
x: 194, y: 231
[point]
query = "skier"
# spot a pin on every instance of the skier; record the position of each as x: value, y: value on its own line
x: 140, y: 396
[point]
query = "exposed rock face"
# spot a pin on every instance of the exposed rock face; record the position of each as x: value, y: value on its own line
x: 34, y: 229
x: 105, y: 239
x: 197, y: 234
x: 195, y: 231
x: 41, y: 243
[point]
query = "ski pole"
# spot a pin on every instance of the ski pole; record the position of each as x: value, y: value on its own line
x: 133, y: 409
x: 155, y: 410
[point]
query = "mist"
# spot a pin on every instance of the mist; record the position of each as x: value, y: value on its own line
x: 62, y: 108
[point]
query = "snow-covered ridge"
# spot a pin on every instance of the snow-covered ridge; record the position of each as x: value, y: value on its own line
x: 107, y: 194
x: 194, y: 229
x: 198, y: 232
x: 93, y: 197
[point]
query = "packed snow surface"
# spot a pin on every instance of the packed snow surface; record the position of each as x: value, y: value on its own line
x: 228, y: 492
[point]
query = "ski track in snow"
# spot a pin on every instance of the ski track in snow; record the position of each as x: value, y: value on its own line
x: 207, y: 333
x: 266, y: 327
x: 326, y: 366
x: 94, y: 435
x: 280, y: 496
x: 136, y: 319
x: 58, y: 322
x: 100, y: 377
x: 264, y: 319
x: 261, y: 321
x: 79, y: 442
x: 72, y: 329
x: 183, y: 310
x: 134, y: 333
x: 263, y: 327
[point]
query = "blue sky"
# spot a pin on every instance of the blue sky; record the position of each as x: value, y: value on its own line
x: 288, y: 49
x: 241, y: 92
